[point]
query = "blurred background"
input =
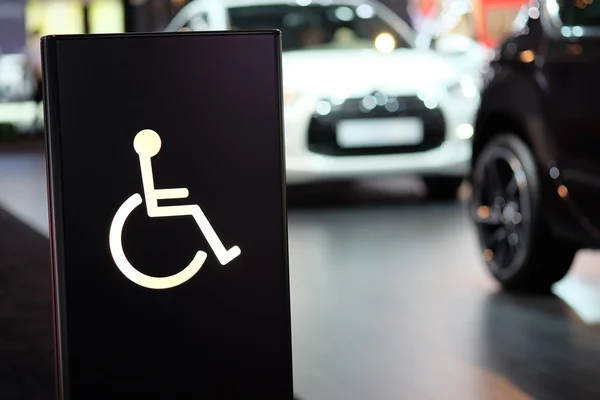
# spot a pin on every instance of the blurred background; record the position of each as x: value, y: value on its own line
x: 404, y: 259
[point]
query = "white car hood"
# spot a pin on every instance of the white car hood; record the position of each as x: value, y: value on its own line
x: 353, y: 73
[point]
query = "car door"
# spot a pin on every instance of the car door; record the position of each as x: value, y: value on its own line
x: 572, y: 70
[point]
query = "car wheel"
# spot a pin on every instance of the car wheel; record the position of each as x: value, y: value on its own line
x: 517, y: 247
x: 442, y: 187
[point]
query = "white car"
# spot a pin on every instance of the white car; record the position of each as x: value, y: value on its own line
x: 17, y: 89
x: 361, y: 100
x: 16, y: 82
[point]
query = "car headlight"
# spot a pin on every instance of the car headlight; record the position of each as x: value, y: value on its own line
x: 464, y: 87
x: 431, y: 95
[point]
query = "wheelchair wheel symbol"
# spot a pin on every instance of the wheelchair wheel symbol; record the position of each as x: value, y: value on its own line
x: 147, y: 144
x: 151, y: 282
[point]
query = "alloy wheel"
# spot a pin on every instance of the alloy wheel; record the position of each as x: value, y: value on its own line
x: 501, y: 209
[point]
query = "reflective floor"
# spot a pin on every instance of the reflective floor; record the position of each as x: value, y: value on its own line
x: 389, y: 300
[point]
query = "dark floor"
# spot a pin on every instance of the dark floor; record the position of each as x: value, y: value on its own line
x: 389, y: 301
x: 26, y: 341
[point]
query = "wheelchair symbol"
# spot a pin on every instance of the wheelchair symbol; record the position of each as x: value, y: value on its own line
x: 147, y: 144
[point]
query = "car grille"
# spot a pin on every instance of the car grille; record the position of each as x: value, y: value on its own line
x: 322, y: 128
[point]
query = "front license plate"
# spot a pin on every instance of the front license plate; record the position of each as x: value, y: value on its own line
x: 380, y: 132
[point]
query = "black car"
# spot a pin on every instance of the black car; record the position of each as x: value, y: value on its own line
x: 536, y: 150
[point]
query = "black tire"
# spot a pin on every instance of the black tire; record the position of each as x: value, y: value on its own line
x: 517, y: 246
x: 442, y: 187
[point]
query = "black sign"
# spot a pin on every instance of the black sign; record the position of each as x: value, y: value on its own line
x: 168, y: 224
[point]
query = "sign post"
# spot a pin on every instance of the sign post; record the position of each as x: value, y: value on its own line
x: 168, y: 223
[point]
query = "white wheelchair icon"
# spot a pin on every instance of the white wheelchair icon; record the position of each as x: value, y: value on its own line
x: 147, y: 144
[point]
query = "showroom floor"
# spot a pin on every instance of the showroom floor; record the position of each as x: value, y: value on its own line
x: 389, y: 301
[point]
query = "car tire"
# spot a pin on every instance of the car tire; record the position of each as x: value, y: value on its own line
x: 517, y: 246
x: 442, y: 187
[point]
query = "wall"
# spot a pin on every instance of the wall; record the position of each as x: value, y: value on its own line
x: 12, y: 26
x: 66, y: 16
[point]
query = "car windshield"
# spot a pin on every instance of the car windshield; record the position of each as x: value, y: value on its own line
x: 320, y: 27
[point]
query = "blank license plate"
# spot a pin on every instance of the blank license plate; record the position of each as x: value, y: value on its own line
x: 381, y: 132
